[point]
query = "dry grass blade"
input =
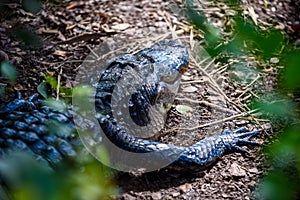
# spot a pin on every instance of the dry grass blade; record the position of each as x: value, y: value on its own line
x: 212, y: 81
x: 214, y: 122
x: 206, y: 103
x: 239, y: 108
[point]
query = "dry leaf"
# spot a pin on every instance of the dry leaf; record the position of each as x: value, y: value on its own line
x: 73, y: 5
x: 120, y: 27
x: 51, y: 73
x: 183, y: 109
x: 45, y: 30
x: 60, y: 53
x: 18, y: 87
x: 253, y: 170
x: 185, y: 187
x: 186, y: 78
x: 106, y: 28
x: 190, y: 89
x: 175, y: 194
x: 70, y: 26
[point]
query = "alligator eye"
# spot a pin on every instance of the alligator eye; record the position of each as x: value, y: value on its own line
x: 183, y: 69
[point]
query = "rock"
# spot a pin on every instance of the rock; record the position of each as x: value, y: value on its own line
x: 237, y: 170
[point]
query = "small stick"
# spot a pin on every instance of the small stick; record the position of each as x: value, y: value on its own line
x: 247, y: 88
x: 58, y: 84
x: 93, y: 52
x: 188, y: 82
x: 206, y: 103
x: 215, y: 122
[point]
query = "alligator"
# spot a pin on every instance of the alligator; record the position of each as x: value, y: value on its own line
x: 50, y: 135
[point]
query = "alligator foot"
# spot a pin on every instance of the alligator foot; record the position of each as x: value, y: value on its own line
x: 232, y: 139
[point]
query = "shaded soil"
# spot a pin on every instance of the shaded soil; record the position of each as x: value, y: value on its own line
x: 69, y: 30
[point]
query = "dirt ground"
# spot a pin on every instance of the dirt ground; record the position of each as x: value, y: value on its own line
x: 69, y: 30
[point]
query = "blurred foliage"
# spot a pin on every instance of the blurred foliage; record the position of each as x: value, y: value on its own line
x: 277, y: 186
x: 6, y: 12
x: 9, y: 71
x: 277, y: 108
x: 33, y: 6
x: 25, y: 178
x: 245, y: 38
x: 290, y: 76
x: 27, y: 37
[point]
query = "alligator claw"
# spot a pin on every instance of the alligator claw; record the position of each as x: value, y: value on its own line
x: 247, y: 142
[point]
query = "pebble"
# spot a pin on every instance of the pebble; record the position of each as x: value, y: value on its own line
x: 156, y: 195
x: 253, y: 170
x: 175, y: 194
x: 273, y: 9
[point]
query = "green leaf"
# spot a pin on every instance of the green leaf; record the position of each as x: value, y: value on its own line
x: 52, y: 81
x: 183, y: 109
x: 43, y: 89
x: 8, y: 70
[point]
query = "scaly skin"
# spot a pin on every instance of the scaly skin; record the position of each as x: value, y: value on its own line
x: 31, y: 130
